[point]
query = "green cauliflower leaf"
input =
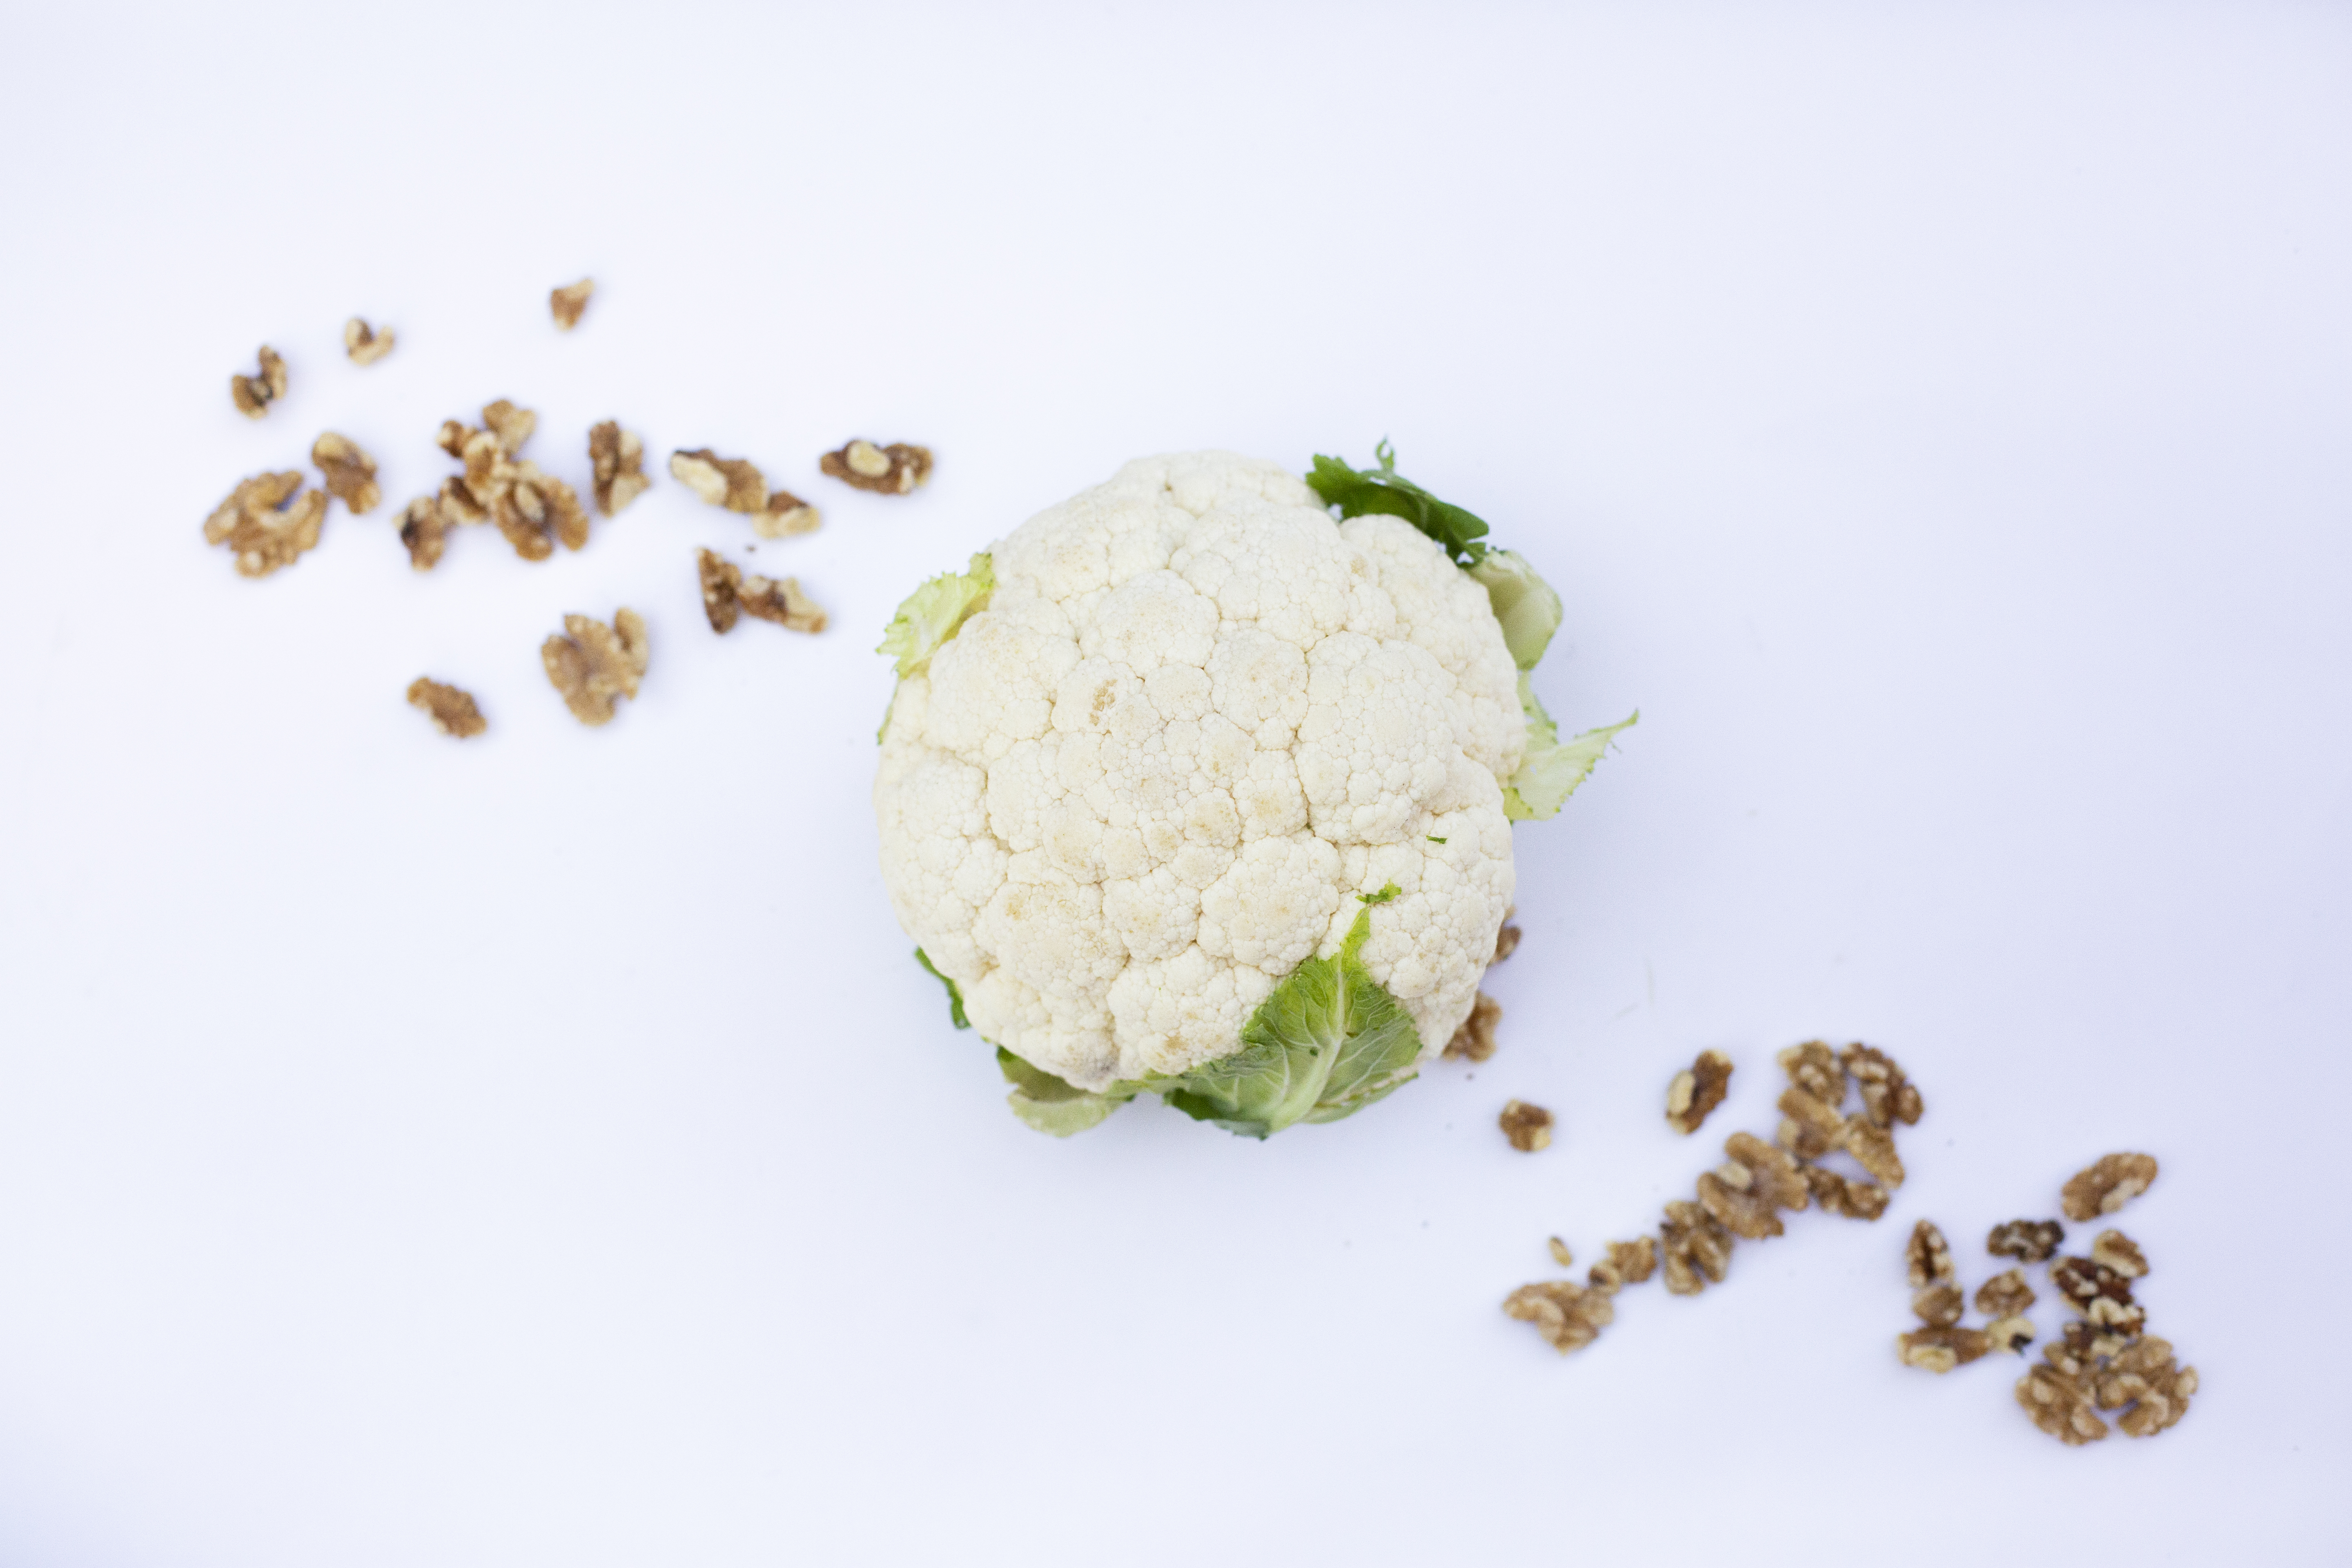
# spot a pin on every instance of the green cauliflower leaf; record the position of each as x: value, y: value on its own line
x: 1356, y: 492
x: 1552, y: 768
x: 955, y: 996
x: 1524, y: 603
x: 934, y: 613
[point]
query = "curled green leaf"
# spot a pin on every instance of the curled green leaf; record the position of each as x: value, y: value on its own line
x: 1523, y: 601
x: 934, y: 613
x: 1357, y: 491
x: 1552, y: 768
x: 955, y: 996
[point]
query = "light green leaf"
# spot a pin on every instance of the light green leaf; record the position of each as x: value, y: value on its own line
x: 955, y: 997
x: 1524, y: 603
x: 1053, y: 1105
x: 935, y: 612
x: 1552, y: 768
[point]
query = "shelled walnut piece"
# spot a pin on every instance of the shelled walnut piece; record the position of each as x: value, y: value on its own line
x: 363, y: 344
x: 2010, y: 1334
x: 2147, y: 1378
x: 534, y: 510
x: 1560, y: 1252
x: 1940, y: 1348
x: 2056, y: 1396
x: 1696, y: 1090
x: 253, y: 395
x: 1927, y: 1260
x: 2112, y: 1251
x: 1844, y: 1196
x: 1696, y: 1248
x: 616, y: 459
x: 1567, y: 1315
x: 1507, y: 942
x: 727, y: 593
x: 1628, y: 1263
x: 739, y: 486
x: 452, y: 710
x: 1529, y: 1127
x: 264, y: 530
x: 1747, y: 1191
x: 1475, y: 1040
x: 2027, y: 1240
x: 1888, y: 1097
x: 425, y: 529
x: 351, y: 472
x: 2005, y: 1295
x: 1939, y: 1306
x: 2107, y: 1186
x: 895, y: 469
x: 566, y: 304
x: 594, y: 665
x: 1813, y: 1121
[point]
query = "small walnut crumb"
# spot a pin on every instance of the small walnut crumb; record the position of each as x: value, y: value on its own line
x: 595, y: 665
x: 425, y: 531
x: 1939, y: 1306
x: 260, y: 526
x: 618, y: 459
x: 452, y: 710
x: 1814, y: 1068
x: 722, y: 582
x: 2005, y: 1295
x: 1696, y: 1248
x: 2027, y: 1240
x: 1888, y: 1097
x: 1696, y: 1090
x: 1927, y: 1260
x: 2145, y: 1376
x: 351, y: 472
x: 739, y: 486
x: 1559, y: 1253
x: 1628, y: 1263
x: 1475, y: 1040
x: 2114, y: 1250
x: 1567, y: 1315
x: 1748, y: 1192
x: 1507, y: 942
x: 569, y: 302
x: 1837, y: 1194
x: 1940, y: 1348
x: 891, y: 471
x: 1529, y: 1127
x: 2107, y: 1186
x: 2059, y: 1403
x: 2010, y: 1334
x: 253, y: 395
x: 365, y: 343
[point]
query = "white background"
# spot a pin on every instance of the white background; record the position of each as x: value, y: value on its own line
x: 543, y: 1151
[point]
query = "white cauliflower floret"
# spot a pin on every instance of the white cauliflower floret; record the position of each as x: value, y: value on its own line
x: 1196, y: 721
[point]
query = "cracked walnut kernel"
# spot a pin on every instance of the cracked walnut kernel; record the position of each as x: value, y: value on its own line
x: 1696, y: 1248
x: 2005, y: 1295
x: 593, y: 666
x: 1567, y: 1315
x: 1940, y: 1348
x: 351, y: 472
x: 1529, y: 1127
x: 1888, y: 1097
x: 1507, y: 942
x: 891, y: 471
x: 1748, y: 1190
x: 567, y: 304
x: 2112, y: 1251
x: 425, y: 531
x: 1628, y: 1263
x: 1844, y: 1196
x: 2107, y: 1186
x: 260, y: 526
x: 2146, y: 1378
x: 739, y: 486
x: 1939, y: 1306
x: 2053, y: 1395
x: 1696, y: 1090
x: 1814, y: 1068
x: 1927, y: 1260
x: 452, y: 710
x: 253, y: 395
x: 2027, y: 1240
x: 2010, y: 1334
x: 1475, y: 1040
x: 727, y: 593
x: 363, y: 344
x: 618, y: 459
x: 2083, y: 1282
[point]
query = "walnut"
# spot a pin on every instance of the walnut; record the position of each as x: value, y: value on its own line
x: 727, y: 593
x: 351, y: 472
x: 365, y: 343
x: 2088, y: 1342
x: 260, y: 526
x: 1697, y: 1247
x: 452, y: 710
x: 617, y: 459
x: 1939, y: 1306
x: 1888, y: 1097
x: 1927, y: 1260
x: 2010, y: 1334
x: 1507, y: 942
x: 2083, y: 1282
x: 2145, y: 1377
x: 2027, y: 1240
x: 1567, y: 1315
x: 1940, y: 1348
x: 2060, y: 1404
x: 1628, y: 1263
x: 1811, y: 1126
x: 595, y: 665
x: 1837, y: 1194
x: 567, y: 303
x: 1872, y: 1149
x: 1696, y: 1090
x: 253, y: 395
x: 2112, y: 1251
x: 739, y: 486
x: 426, y: 530
x: 1747, y: 1191
x: 2005, y: 1295
x: 1814, y: 1125
x: 1475, y: 1040
x: 533, y: 509
x: 891, y: 471
x: 1559, y: 1253
x: 510, y: 425
x: 2107, y: 1186
x: 1529, y: 1127
x: 1814, y: 1068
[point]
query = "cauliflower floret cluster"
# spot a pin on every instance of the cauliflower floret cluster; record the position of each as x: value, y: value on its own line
x: 1197, y: 723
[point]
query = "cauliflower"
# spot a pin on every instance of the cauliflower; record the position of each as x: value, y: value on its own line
x: 1186, y: 789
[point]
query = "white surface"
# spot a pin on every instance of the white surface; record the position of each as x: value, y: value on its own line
x: 543, y: 1151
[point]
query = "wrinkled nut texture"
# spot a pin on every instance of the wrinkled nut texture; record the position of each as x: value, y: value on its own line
x: 1628, y: 1263
x: 2005, y: 1295
x: 1529, y: 1127
x: 567, y: 304
x: 2145, y: 1377
x: 722, y: 582
x: 1815, y: 1069
x: 1567, y: 1315
x: 894, y: 470
x: 253, y: 395
x: 363, y: 344
x: 452, y: 710
x: 2010, y: 1334
x: 739, y: 486
x: 1927, y: 1260
x: 1746, y: 1193
x: 1475, y: 1040
x: 1696, y: 1090
x: 2118, y: 1254
x: 2027, y: 1240
x: 593, y: 666
x: 2107, y: 1186
x: 1696, y: 1248
x: 2060, y: 1406
x: 259, y: 525
x: 2083, y: 1282
x: 1939, y: 1306
x: 425, y: 529
x: 351, y: 472
x: 616, y: 458
x: 1940, y: 1348
x: 1840, y: 1195
x: 1888, y: 1097
x: 781, y: 600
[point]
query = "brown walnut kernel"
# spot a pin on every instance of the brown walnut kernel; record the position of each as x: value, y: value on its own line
x: 1939, y: 1306
x: 567, y: 304
x: 2010, y: 1334
x: 1529, y: 1127
x: 1507, y: 942
x: 1814, y: 1068
x: 2083, y: 1282
x: 2119, y: 1254
x: 1842, y: 1196
x: 261, y: 527
x: 1927, y: 1260
x: 1475, y: 1040
x: 1746, y: 1192
x: 534, y: 510
x: 727, y: 593
x: 739, y: 486
x: 891, y: 471
x: 1696, y: 1248
x: 1940, y: 1348
x: 1628, y: 1263
x: 595, y: 665
x: 1567, y: 1315
x: 351, y: 472
x: 1560, y: 1252
x: 2027, y: 1240
x: 2107, y: 1186
x: 2005, y: 1295
x: 2145, y: 1377
x: 2054, y: 1394
x: 363, y: 344
x: 253, y: 395
x: 452, y: 710
x: 425, y: 529
x: 1888, y: 1097
x: 1696, y: 1090
x: 618, y: 459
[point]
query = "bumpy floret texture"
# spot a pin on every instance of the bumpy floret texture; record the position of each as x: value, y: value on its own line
x: 1197, y: 719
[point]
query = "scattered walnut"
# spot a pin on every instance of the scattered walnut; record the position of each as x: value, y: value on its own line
x: 253, y: 395
x: 258, y: 524
x: 1696, y: 1090
x: 425, y: 531
x: 510, y: 425
x: 2083, y: 1282
x: 2010, y: 1334
x: 1628, y: 1263
x: 2145, y: 1377
x: 739, y: 486
x: 1839, y: 1195
x: 1939, y: 1306
x: 1814, y: 1068
x: 1567, y: 1315
x: 1814, y: 1125
x: 1940, y: 1349
x: 1475, y: 1040
x: 1927, y: 1260
x: 452, y: 710
x: 2089, y: 1342
x: 1529, y: 1127
x: 893, y: 470
x: 1561, y: 1254
x: 1747, y: 1191
x: 1872, y: 1149
x: 2107, y: 1186
x: 2005, y: 1295
x: 1888, y: 1097
x: 2053, y: 1395
x: 722, y: 581
x: 2027, y: 1240
x: 351, y: 472
x: 363, y: 342
x: 1507, y: 942
x: 2114, y: 1250
x: 593, y: 666
x: 727, y: 593
x: 1696, y: 1248
x: 1811, y: 1126
x: 617, y: 459
x: 569, y: 302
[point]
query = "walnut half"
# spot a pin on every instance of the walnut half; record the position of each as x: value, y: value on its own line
x: 593, y: 666
x: 891, y: 471
x: 1927, y: 1260
x: 727, y: 593
x: 351, y: 472
x: 363, y: 344
x: 1529, y: 1127
x: 260, y: 526
x: 1567, y: 1315
x: 1939, y: 1348
x: 2108, y: 1186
